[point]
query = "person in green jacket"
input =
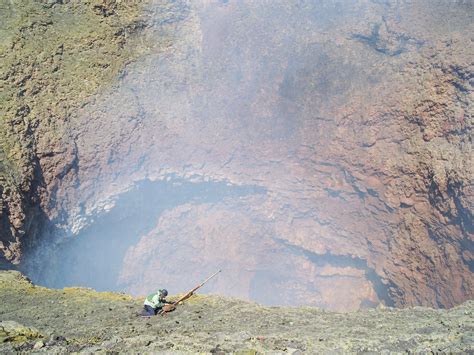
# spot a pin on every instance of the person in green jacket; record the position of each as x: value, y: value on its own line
x: 154, y: 303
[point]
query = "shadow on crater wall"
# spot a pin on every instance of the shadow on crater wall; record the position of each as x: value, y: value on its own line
x: 94, y: 257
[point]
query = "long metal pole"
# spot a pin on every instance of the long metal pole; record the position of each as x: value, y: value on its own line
x: 210, y: 277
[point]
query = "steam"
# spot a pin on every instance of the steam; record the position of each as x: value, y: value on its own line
x: 228, y: 146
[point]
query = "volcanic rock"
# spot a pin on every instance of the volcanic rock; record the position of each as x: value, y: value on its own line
x: 79, y: 320
x: 319, y: 153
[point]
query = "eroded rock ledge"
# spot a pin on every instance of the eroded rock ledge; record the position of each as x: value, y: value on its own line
x: 82, y: 320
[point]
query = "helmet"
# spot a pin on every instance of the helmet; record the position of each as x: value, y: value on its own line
x: 164, y: 292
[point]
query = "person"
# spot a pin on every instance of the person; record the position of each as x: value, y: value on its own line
x: 154, y: 303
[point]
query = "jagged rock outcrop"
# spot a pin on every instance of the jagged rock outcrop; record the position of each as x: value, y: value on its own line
x: 55, y: 56
x: 342, y: 133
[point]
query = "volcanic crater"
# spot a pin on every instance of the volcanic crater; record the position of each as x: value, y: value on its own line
x: 318, y: 153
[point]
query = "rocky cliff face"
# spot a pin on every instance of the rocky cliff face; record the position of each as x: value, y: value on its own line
x: 319, y: 153
x: 55, y: 56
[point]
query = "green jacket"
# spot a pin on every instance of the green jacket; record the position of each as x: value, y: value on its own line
x: 154, y: 301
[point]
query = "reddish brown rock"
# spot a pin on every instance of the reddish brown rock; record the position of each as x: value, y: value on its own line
x: 353, y: 122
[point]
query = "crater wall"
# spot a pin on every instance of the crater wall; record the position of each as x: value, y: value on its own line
x: 350, y: 123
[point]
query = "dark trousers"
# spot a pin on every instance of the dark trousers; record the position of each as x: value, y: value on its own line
x: 149, y: 311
